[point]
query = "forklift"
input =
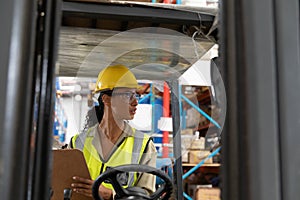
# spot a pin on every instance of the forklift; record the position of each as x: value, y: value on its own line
x: 259, y: 52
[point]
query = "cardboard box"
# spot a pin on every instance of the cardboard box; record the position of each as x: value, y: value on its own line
x: 198, y: 144
x: 186, y: 141
x: 185, y: 156
x: 208, y: 194
x: 196, y: 156
x: 187, y: 131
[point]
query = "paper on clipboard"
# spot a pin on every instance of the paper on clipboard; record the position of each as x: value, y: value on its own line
x: 66, y: 164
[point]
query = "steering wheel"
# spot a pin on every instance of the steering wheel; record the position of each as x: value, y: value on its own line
x: 163, y: 192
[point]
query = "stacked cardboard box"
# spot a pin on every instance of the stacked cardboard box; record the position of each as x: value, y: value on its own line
x: 196, y: 156
x: 208, y: 193
x: 193, y: 148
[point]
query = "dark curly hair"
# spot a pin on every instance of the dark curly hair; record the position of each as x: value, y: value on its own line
x: 95, y: 114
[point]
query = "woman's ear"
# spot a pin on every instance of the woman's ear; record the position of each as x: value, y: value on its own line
x: 106, y: 99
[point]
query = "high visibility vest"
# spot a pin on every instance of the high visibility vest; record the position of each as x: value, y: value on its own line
x: 129, y: 151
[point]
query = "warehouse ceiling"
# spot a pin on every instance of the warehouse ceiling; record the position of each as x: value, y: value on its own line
x: 157, y: 41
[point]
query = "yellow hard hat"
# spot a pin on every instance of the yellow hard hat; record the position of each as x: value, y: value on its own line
x: 115, y: 77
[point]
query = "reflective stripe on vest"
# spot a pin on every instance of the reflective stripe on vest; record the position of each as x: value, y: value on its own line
x: 129, y: 151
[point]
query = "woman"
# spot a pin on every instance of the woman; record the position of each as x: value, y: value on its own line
x: 113, y: 142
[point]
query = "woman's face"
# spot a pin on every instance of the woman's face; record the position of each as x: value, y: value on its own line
x: 123, y: 103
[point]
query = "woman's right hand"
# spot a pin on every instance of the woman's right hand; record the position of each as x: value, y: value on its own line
x: 84, y: 186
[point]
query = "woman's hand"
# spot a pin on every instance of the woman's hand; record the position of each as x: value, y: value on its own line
x: 105, y: 193
x: 84, y: 186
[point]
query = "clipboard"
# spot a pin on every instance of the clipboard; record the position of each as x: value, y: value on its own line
x: 66, y: 164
